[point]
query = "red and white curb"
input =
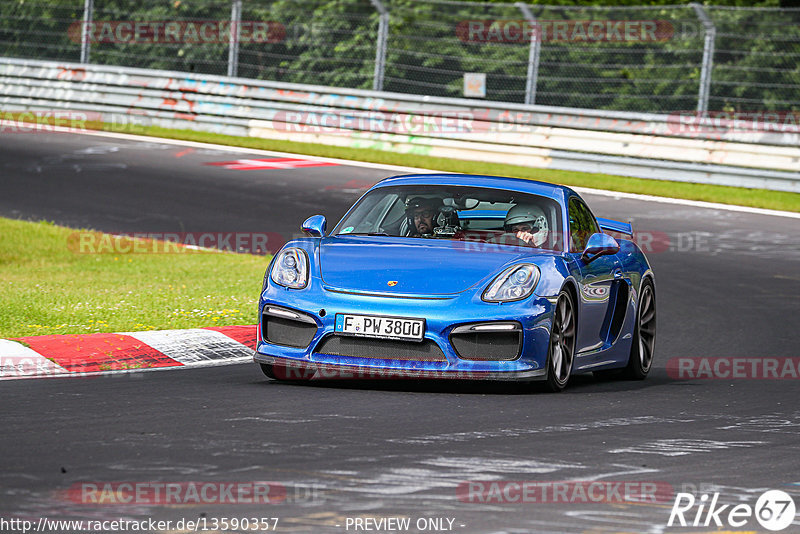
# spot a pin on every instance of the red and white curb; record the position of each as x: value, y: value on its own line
x: 94, y: 354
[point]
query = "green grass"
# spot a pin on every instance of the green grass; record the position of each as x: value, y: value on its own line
x: 758, y: 198
x: 47, y: 288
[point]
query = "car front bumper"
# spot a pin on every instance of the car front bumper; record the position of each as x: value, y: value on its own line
x: 442, y: 315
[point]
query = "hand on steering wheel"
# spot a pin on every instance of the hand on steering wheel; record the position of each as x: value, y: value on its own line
x: 510, y: 238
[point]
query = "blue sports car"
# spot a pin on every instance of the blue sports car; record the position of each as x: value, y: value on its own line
x: 459, y: 276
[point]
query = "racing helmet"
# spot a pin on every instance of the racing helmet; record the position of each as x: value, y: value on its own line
x: 534, y: 215
x: 417, y: 203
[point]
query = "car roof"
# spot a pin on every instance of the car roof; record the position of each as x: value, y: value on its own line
x: 554, y: 191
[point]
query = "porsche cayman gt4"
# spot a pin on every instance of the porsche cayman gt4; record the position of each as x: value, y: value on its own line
x: 459, y: 276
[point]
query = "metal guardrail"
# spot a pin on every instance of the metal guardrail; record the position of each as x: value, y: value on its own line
x: 652, y: 58
x: 624, y: 143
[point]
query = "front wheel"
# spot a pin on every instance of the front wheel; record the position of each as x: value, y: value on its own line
x: 268, y: 370
x: 561, y: 351
x: 286, y: 373
x: 644, y: 337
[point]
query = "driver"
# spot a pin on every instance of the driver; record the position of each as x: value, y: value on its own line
x: 528, y: 223
x: 421, y: 213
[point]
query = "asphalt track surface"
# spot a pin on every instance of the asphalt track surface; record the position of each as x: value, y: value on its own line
x: 727, y: 286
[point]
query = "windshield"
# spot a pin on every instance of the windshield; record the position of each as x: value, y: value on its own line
x: 457, y: 213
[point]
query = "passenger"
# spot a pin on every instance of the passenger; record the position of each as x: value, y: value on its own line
x: 528, y: 223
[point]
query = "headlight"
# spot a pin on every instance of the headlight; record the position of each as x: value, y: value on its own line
x: 515, y: 283
x: 291, y: 268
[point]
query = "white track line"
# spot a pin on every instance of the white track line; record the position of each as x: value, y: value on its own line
x: 398, y: 168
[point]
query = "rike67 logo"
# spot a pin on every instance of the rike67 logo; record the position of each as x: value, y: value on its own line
x: 774, y: 510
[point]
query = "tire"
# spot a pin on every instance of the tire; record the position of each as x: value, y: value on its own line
x: 283, y: 375
x: 644, y: 337
x: 268, y: 370
x: 561, y: 349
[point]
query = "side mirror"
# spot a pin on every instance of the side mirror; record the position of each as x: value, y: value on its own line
x: 599, y: 245
x: 315, y: 226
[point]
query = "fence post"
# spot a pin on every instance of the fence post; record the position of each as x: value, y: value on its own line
x: 233, y: 43
x: 380, y: 48
x: 86, y: 45
x: 533, y: 54
x: 708, y: 57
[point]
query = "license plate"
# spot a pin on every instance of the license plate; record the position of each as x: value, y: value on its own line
x: 380, y: 326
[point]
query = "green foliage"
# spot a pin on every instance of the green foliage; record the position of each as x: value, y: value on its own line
x: 752, y: 72
x: 332, y: 43
x: 189, y: 56
x: 40, y: 29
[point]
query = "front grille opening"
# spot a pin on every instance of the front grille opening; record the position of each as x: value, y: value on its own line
x: 287, y: 332
x: 385, y: 349
x: 487, y: 346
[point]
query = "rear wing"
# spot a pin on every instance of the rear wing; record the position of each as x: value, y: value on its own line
x: 615, y: 226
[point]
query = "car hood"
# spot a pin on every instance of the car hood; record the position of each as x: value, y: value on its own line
x: 409, y: 266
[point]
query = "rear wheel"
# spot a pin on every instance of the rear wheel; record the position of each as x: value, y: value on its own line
x: 644, y: 337
x: 561, y: 350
